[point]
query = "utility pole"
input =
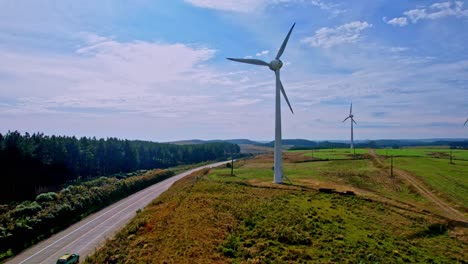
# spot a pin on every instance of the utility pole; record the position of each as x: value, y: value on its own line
x: 391, y: 166
x: 232, y: 163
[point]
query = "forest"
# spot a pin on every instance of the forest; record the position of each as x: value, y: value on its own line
x: 32, y: 164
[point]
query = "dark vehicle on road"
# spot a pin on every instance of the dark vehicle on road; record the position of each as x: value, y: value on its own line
x: 69, y: 259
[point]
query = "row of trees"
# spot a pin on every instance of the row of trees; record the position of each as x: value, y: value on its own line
x: 34, y: 163
x: 31, y: 221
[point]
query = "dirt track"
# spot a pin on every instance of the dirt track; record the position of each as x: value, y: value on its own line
x: 448, y: 210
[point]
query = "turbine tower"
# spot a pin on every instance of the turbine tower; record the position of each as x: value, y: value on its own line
x: 352, y: 121
x: 275, y: 65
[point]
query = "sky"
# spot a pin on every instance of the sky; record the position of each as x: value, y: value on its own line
x: 157, y: 70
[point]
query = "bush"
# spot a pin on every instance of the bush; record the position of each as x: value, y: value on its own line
x: 46, y: 197
x: 26, y: 208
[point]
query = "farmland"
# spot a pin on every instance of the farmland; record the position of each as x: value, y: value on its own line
x: 364, y: 216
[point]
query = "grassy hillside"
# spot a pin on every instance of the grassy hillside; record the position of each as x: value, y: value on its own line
x: 212, y: 217
x: 449, y: 180
x: 433, y: 167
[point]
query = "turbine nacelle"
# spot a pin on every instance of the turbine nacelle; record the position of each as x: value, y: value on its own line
x: 275, y: 65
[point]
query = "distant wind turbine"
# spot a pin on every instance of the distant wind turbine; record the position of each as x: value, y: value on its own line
x: 352, y: 121
x: 275, y: 65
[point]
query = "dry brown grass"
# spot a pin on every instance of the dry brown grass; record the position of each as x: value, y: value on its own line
x: 195, y: 220
x: 193, y: 230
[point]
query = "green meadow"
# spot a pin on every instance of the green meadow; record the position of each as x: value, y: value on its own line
x: 449, y: 180
x: 442, y: 153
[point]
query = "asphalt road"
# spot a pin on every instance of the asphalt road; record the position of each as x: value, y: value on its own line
x: 85, y: 236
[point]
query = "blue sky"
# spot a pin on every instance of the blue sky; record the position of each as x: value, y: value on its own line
x: 156, y: 70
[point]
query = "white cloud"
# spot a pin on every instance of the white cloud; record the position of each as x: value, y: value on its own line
x: 328, y: 37
x: 91, y: 38
x: 228, y: 5
x: 434, y: 11
x: 252, y: 5
x: 416, y: 14
x: 398, y: 21
x: 262, y: 53
x: 398, y: 49
x: 244, y: 102
x: 109, y: 75
x: 440, y: 10
x: 333, y: 8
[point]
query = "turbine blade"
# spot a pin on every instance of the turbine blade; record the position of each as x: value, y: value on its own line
x: 346, y: 119
x: 282, y: 90
x: 285, y: 41
x: 351, y: 109
x: 466, y: 122
x: 353, y: 121
x: 251, y: 61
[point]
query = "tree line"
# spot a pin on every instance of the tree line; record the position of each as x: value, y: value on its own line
x: 31, y: 164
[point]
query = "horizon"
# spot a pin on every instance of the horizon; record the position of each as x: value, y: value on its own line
x: 254, y: 140
x: 136, y: 70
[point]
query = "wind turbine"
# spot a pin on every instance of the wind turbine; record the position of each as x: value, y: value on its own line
x: 352, y: 121
x: 466, y: 122
x: 275, y: 65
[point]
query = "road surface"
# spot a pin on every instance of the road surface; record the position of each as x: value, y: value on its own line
x: 85, y: 236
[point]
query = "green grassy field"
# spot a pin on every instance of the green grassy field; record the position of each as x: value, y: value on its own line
x: 449, y: 180
x: 431, y: 165
x: 425, y: 152
x: 330, y: 154
x: 442, y: 153
x: 331, y: 173
x: 213, y: 217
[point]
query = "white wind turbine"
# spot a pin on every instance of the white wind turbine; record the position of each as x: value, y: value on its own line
x: 352, y: 121
x: 275, y: 65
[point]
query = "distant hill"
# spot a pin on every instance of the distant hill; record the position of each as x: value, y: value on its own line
x: 187, y: 142
x: 385, y: 143
x: 305, y: 144
x: 239, y: 141
x: 233, y: 141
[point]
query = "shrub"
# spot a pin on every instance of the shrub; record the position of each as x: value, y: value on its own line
x: 26, y: 208
x: 46, y: 197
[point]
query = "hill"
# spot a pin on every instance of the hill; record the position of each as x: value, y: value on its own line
x: 323, y: 144
x: 232, y: 141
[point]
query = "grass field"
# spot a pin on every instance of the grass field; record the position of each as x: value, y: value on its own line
x: 442, y: 153
x: 431, y: 165
x: 331, y: 154
x: 213, y: 217
x: 449, y: 180
x: 425, y: 152
x: 335, y: 173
